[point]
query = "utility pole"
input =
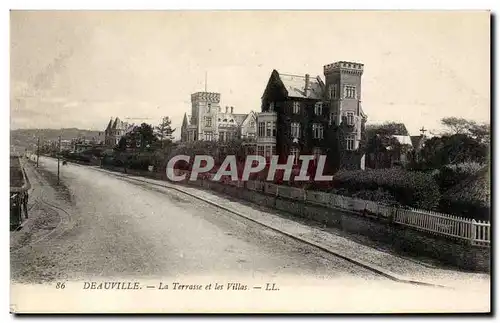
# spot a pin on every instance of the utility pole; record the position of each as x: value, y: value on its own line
x: 58, y: 154
x: 37, y: 151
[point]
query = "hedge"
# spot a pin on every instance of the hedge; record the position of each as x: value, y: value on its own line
x: 451, y: 175
x: 415, y: 189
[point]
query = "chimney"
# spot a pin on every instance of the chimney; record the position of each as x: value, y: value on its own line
x: 307, y: 87
x: 227, y: 108
x: 232, y: 109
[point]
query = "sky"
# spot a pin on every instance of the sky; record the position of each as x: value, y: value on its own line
x: 79, y: 68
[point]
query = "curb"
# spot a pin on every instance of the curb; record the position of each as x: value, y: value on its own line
x: 374, y: 268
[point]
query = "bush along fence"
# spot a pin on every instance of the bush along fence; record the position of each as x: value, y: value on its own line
x: 476, y: 233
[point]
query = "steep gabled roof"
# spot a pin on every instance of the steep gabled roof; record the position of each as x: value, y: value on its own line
x: 248, y: 116
x: 239, y: 118
x: 115, y: 124
x: 295, y: 86
x: 185, y: 121
x: 109, y: 124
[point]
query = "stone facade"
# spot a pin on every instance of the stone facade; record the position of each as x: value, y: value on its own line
x: 306, y: 115
x: 208, y: 121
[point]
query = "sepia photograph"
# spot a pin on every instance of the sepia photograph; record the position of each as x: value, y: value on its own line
x: 204, y: 161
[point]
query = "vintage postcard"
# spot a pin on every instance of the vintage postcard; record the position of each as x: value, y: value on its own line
x: 250, y: 162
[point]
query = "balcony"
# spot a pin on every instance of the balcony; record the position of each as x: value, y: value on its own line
x: 266, y: 118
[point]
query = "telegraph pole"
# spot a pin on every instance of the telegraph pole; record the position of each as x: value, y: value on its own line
x: 37, y: 151
x: 58, y: 154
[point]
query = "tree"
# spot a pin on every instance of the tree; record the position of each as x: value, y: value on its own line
x: 456, y: 125
x: 140, y: 137
x: 164, y: 130
x: 122, y: 144
x: 454, y: 149
x: 471, y: 128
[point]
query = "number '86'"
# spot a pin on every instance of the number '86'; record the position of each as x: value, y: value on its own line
x: 60, y: 286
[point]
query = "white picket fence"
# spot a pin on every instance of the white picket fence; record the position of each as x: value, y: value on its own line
x: 475, y: 232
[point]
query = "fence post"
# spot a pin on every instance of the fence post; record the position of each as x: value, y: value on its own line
x: 472, y: 231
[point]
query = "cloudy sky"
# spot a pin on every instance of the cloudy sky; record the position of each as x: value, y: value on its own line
x: 77, y: 69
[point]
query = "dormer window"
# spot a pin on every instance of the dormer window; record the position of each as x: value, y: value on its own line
x: 296, y: 107
x: 271, y: 106
x: 231, y: 120
x: 225, y: 120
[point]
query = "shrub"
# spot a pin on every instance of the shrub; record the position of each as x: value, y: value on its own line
x: 416, y: 189
x: 450, y: 175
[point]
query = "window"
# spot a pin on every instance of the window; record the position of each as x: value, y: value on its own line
x: 295, y: 130
x: 318, y: 108
x: 333, y: 91
x: 271, y: 106
x: 316, y: 153
x: 268, y: 152
x: 221, y: 136
x: 260, y: 150
x: 296, y: 107
x: 350, y: 118
x: 209, y: 107
x: 350, y: 92
x: 273, y: 124
x: 333, y: 119
x: 208, y: 135
x: 317, y: 131
x: 231, y: 120
x: 252, y: 123
x: 208, y: 121
x: 350, y: 142
x: 268, y: 129
x: 251, y: 135
x: 273, y: 150
x: 262, y: 129
x: 294, y: 151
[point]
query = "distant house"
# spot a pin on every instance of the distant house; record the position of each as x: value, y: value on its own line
x: 115, y: 130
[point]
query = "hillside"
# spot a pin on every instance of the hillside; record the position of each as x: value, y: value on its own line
x: 23, y: 139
